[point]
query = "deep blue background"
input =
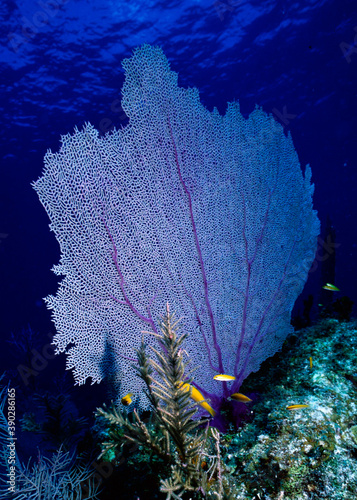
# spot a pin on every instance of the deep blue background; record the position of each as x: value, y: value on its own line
x: 61, y: 67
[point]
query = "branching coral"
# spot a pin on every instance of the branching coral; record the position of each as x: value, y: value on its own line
x: 173, y: 435
x: 62, y: 477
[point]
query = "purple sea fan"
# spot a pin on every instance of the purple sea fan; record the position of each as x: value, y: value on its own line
x: 210, y: 213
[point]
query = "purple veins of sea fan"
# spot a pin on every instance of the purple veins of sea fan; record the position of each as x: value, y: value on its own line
x: 210, y: 213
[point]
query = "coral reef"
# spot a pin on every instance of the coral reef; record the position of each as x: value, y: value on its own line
x: 283, y: 452
x: 308, y: 453
x: 300, y: 454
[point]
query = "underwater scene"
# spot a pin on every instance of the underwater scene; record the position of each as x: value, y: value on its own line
x: 178, y: 250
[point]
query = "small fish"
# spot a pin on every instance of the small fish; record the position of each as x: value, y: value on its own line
x: 296, y: 407
x: 127, y: 400
x: 197, y: 396
x: 237, y: 396
x: 331, y: 287
x: 224, y: 378
x: 310, y: 359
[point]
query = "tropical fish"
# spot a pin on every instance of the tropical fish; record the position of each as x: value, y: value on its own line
x: 198, y: 397
x: 224, y: 378
x: 127, y: 400
x: 331, y: 287
x: 310, y: 359
x: 237, y: 396
x: 296, y: 407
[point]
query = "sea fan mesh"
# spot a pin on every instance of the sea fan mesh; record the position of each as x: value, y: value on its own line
x: 210, y: 213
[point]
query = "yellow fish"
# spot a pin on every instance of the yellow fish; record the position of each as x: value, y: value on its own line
x: 310, y: 359
x: 127, y: 400
x: 197, y: 396
x: 224, y: 378
x: 296, y: 407
x: 331, y: 287
x: 237, y: 396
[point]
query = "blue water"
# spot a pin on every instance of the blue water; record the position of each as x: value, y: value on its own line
x: 61, y: 67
